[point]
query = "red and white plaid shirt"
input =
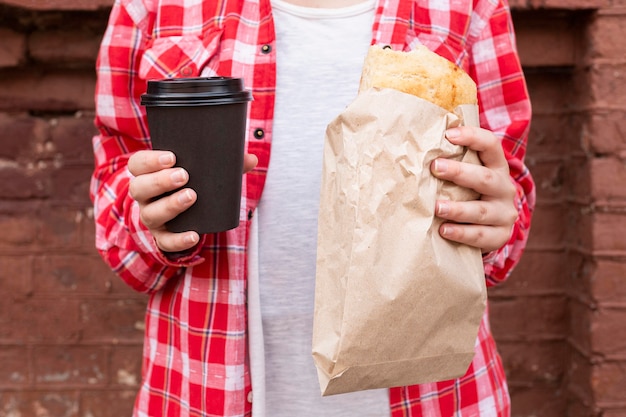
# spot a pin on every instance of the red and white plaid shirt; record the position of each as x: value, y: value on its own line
x: 195, y: 354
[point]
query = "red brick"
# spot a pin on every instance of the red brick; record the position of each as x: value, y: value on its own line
x: 59, y: 4
x: 60, y: 228
x: 126, y: 364
x: 576, y: 408
x: 540, y: 272
x: 580, y: 271
x: 551, y: 92
x: 534, y: 361
x: 56, y: 275
x: 609, y: 230
x: 17, y: 182
x: 48, y: 403
x: 570, y: 4
x: 543, y: 5
x: 576, y: 179
x: 537, y: 400
x: 608, y: 333
x: 553, y: 134
x: 17, y: 231
x: 64, y: 46
x: 607, y: 34
x: 549, y: 176
x: 546, y: 41
x: 70, y: 184
x: 579, y: 377
x: 607, y: 281
x: 54, y: 90
x: 605, y: 173
x: 529, y: 318
x: 23, y: 137
x: 113, y: 321
x: 16, y: 276
x: 109, y: 403
x: 608, y: 381
x: 614, y: 412
x: 71, y: 138
x: 39, y: 321
x: 548, y: 231
x: 14, y: 367
x: 608, y: 84
x: 580, y: 318
x: 580, y: 219
x: 12, y: 48
x: 70, y: 366
x: 606, y: 132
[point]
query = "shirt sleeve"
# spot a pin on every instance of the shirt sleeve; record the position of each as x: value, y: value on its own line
x: 505, y: 110
x: 122, y: 240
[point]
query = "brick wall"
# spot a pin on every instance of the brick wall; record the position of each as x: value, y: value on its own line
x: 71, y: 333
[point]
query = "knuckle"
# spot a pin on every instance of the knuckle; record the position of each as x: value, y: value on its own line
x: 487, y: 177
x: 155, y: 180
x: 146, y: 219
x: 483, y: 213
x: 480, y: 235
x: 136, y: 161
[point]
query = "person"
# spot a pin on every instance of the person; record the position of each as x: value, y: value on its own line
x: 229, y: 315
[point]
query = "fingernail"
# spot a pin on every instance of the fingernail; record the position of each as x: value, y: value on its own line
x: 446, y: 230
x: 191, y: 238
x: 443, y: 208
x: 453, y: 133
x: 441, y: 166
x: 179, y: 176
x: 185, y: 197
x: 166, y: 159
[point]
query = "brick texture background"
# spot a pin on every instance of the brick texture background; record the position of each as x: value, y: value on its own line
x: 71, y: 333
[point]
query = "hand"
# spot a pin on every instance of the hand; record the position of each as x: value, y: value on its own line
x: 485, y: 223
x: 154, y: 174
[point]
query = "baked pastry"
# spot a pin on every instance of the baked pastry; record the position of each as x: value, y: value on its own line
x: 419, y: 72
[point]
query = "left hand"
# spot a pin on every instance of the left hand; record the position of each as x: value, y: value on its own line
x: 485, y: 223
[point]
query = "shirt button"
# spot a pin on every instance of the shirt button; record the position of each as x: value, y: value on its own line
x: 186, y: 71
x: 259, y: 133
x: 250, y: 397
x: 266, y: 49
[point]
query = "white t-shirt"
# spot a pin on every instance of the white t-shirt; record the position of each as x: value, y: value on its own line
x: 320, y: 54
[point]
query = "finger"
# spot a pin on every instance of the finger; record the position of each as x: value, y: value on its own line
x: 155, y: 214
x: 175, y: 242
x: 483, y: 141
x: 250, y: 161
x: 146, y: 187
x: 487, y: 238
x: 481, y: 179
x: 148, y: 161
x: 477, y: 212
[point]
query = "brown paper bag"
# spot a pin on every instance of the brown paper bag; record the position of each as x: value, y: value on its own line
x: 395, y: 304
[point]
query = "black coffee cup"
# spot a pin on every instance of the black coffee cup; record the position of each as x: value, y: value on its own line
x: 203, y: 121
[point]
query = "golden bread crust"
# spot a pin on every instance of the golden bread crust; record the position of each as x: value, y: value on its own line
x: 419, y: 72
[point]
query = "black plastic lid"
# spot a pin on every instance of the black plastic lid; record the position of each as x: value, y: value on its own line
x: 195, y: 91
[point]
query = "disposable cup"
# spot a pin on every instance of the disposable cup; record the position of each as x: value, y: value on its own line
x: 203, y: 122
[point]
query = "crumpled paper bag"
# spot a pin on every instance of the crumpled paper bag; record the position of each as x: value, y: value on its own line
x: 395, y: 304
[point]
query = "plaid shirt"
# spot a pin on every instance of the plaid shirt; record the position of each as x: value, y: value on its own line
x: 195, y: 351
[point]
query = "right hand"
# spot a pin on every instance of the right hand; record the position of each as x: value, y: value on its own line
x: 153, y: 175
